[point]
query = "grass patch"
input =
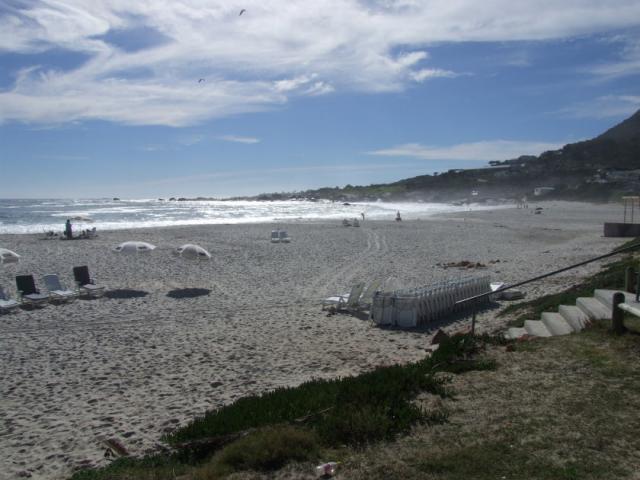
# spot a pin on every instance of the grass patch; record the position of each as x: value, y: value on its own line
x: 267, y: 449
x: 503, y: 459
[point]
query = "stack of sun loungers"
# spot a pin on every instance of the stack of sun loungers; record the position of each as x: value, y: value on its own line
x: 418, y: 307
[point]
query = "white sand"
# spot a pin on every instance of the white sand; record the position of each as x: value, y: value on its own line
x: 135, y: 368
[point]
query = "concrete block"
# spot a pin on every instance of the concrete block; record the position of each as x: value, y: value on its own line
x: 514, y: 333
x: 606, y: 296
x: 574, y: 317
x: 594, y: 308
x: 556, y: 323
x: 536, y: 328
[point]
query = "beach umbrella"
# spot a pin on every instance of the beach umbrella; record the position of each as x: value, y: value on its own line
x: 134, y: 247
x: 7, y: 256
x: 193, y: 252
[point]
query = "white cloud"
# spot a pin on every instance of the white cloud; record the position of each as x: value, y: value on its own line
x: 238, y: 139
x: 608, y: 106
x: 480, y: 151
x: 275, y: 51
x: 627, y: 64
x: 425, y: 73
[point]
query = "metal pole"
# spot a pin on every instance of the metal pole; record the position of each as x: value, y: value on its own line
x: 617, y: 314
x: 629, y: 275
x: 638, y: 286
x: 473, y: 322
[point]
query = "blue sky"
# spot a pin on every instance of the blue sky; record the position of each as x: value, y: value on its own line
x: 185, y: 98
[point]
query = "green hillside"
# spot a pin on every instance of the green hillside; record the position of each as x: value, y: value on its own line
x: 601, y: 169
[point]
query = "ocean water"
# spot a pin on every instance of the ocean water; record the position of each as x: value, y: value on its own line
x: 41, y: 215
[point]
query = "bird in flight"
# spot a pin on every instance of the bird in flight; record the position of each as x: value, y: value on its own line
x: 201, y: 80
x: 242, y: 11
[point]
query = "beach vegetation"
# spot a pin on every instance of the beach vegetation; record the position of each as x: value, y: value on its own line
x: 264, y: 432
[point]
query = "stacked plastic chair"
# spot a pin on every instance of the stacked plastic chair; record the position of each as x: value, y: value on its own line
x: 417, y: 307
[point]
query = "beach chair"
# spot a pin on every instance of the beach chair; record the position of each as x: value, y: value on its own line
x: 275, y: 236
x: 7, y: 303
x: 57, y: 290
x: 365, y: 300
x: 85, y: 283
x: 284, y: 237
x: 27, y: 291
x: 340, y: 302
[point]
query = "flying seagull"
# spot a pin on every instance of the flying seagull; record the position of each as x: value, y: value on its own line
x: 241, y: 12
x: 201, y: 80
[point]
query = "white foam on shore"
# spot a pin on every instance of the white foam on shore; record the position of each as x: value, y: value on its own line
x: 122, y: 215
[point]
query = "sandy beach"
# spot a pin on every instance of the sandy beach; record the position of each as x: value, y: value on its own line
x: 133, y: 369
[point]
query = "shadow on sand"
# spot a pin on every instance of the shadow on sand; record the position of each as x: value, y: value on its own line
x: 188, y: 292
x: 125, y: 293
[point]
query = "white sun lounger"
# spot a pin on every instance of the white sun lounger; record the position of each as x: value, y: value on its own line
x: 7, y: 303
x: 284, y: 237
x: 275, y: 236
x: 57, y: 290
x: 341, y: 302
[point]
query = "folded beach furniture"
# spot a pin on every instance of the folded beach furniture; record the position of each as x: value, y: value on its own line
x: 284, y: 237
x: 341, y: 302
x: 56, y: 289
x: 28, y: 292
x: 85, y: 283
x: 275, y: 236
x: 7, y: 303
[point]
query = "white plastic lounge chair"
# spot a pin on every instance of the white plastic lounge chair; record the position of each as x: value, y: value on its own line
x: 85, y: 283
x: 7, y: 303
x: 365, y: 300
x: 341, y: 301
x: 275, y: 236
x: 284, y: 237
x: 57, y: 290
x: 27, y: 291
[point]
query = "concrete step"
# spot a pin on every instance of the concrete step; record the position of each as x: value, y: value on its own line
x: 633, y: 309
x: 556, y: 324
x: 536, y: 328
x: 594, y: 308
x: 514, y: 333
x: 574, y: 316
x: 606, y: 296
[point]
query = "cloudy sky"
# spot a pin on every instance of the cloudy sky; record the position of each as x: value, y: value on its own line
x: 188, y: 97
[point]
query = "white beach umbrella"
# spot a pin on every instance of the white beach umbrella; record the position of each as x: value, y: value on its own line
x: 193, y: 252
x: 7, y: 256
x: 134, y: 247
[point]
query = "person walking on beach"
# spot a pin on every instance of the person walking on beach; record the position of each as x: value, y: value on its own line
x: 398, y: 218
x: 67, y: 230
x: 362, y: 216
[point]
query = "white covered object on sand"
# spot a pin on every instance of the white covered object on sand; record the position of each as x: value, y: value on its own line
x: 134, y: 247
x: 193, y: 252
x: 8, y: 256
